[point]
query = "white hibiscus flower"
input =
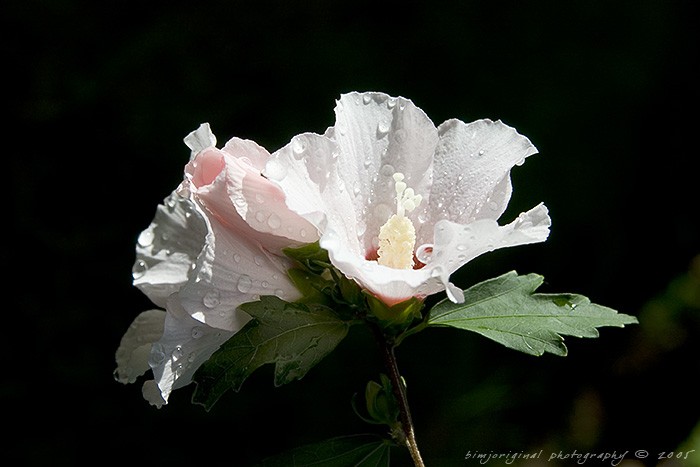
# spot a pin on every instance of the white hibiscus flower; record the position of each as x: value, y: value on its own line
x: 201, y: 258
x: 400, y: 204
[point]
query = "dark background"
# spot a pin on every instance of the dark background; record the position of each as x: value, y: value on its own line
x: 97, y: 99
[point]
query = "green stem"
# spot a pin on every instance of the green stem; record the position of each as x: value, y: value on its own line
x: 399, y: 391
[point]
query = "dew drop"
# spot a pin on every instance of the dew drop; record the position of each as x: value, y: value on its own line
x: 258, y: 260
x: 259, y: 198
x: 260, y: 216
x: 177, y: 352
x: 424, y: 253
x: 146, y: 238
x: 482, y: 152
x: 191, y: 357
x: 275, y: 170
x: 302, y: 232
x: 139, y: 269
x: 298, y: 147
x: 265, y: 284
x: 245, y: 283
x: 279, y: 293
x: 356, y: 188
x: 366, y: 99
x: 237, y: 257
x: 211, y: 299
x: 391, y: 103
x: 520, y: 162
x: 274, y: 221
x: 382, y: 128
x: 461, y: 247
x: 197, y: 332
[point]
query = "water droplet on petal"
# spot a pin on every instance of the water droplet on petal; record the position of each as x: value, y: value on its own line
x: 274, y: 221
x: 298, y: 146
x: 302, y: 232
x: 177, y: 352
x: 260, y: 216
x: 382, y: 128
x: 245, y: 283
x: 275, y: 170
x: 139, y: 269
x: 258, y: 260
x: 366, y: 98
x: 461, y: 247
x: 356, y: 188
x: 424, y: 253
x: 211, y: 299
x: 237, y: 258
x: 197, y: 332
x: 146, y: 238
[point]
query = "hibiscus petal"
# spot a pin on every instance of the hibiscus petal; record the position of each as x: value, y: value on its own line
x: 167, y: 249
x: 308, y: 171
x: 379, y: 135
x: 233, y: 269
x: 456, y: 244
x: 232, y: 189
x: 185, y: 344
x: 135, y: 346
x: 471, y: 178
x: 200, y: 139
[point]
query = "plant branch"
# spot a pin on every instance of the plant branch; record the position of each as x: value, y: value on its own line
x: 399, y: 390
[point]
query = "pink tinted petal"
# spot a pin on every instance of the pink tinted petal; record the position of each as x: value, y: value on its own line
x: 234, y: 191
x: 255, y: 155
x: 207, y: 165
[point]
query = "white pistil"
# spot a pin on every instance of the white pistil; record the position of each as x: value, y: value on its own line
x: 397, y: 237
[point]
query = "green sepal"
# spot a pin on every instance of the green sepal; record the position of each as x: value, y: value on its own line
x: 311, y: 256
x: 396, y: 317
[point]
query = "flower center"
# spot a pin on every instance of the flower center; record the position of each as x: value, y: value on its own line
x: 397, y: 237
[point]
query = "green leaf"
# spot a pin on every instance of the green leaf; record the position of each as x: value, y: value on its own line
x: 507, y: 310
x: 344, y: 451
x: 293, y: 336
